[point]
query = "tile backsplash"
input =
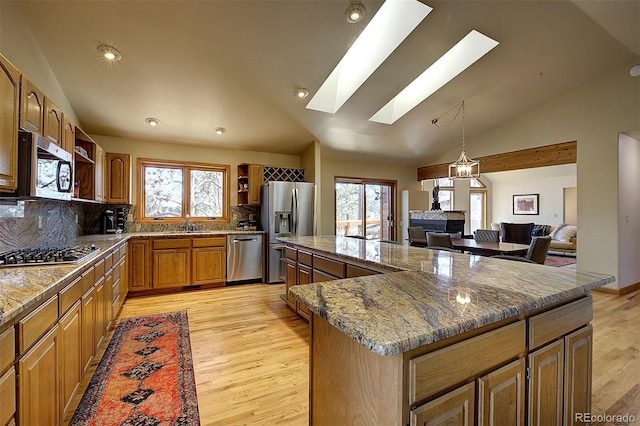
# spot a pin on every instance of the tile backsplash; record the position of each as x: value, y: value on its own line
x: 44, y: 223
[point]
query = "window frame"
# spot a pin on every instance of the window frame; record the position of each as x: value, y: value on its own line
x: 187, y: 167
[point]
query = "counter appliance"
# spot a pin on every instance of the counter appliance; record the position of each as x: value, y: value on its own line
x: 288, y: 209
x: 244, y: 257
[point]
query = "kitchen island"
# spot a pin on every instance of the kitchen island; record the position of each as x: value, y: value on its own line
x: 443, y: 336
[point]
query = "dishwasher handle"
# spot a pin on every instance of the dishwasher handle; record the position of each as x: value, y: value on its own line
x: 242, y: 240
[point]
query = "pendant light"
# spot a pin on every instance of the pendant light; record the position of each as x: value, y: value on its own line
x: 464, y: 167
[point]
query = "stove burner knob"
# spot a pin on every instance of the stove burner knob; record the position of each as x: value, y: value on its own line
x: 93, y: 247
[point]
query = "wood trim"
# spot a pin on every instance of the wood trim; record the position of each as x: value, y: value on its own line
x: 542, y: 156
x: 619, y: 291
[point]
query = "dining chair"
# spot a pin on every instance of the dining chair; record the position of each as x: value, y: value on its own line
x: 486, y: 235
x: 537, y: 252
x: 438, y: 239
x: 416, y: 233
x: 519, y: 233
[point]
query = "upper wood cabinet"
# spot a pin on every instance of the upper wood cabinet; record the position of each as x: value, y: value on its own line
x: 52, y: 122
x: 118, y: 172
x: 99, y: 173
x: 9, y: 96
x: 68, y: 133
x: 249, y: 184
x: 31, y: 107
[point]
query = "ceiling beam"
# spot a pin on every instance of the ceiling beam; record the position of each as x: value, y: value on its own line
x: 542, y: 156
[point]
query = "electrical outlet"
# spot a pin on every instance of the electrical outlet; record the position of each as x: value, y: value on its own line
x: 130, y: 217
x: 39, y: 222
x: 234, y: 216
x: 76, y: 219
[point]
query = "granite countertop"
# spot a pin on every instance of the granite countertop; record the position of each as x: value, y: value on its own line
x: 24, y: 287
x: 432, y: 295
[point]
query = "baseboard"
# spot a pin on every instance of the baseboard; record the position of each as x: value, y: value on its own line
x: 620, y: 291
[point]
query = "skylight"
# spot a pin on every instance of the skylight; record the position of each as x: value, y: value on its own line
x: 388, y: 28
x: 467, y: 51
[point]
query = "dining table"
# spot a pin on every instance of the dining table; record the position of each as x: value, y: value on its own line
x: 484, y: 248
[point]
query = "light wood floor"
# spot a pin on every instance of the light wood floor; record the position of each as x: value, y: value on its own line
x: 251, y: 356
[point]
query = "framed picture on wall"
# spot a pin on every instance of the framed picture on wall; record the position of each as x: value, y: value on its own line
x: 525, y: 204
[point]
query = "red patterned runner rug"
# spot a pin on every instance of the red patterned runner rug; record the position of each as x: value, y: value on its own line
x: 145, y: 377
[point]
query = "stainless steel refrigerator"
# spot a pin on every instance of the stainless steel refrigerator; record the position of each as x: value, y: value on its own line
x: 288, y: 209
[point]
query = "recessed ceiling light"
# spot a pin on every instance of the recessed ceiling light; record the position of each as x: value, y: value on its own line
x: 635, y: 71
x: 387, y: 29
x: 355, y: 12
x: 109, y: 52
x: 153, y: 122
x: 301, y: 92
x: 467, y: 51
x: 219, y: 130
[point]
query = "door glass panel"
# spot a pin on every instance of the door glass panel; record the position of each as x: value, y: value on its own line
x: 445, y: 197
x: 476, y: 210
x: 349, y: 208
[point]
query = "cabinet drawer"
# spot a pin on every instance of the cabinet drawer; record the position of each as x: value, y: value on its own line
x: 319, y: 276
x: 123, y: 250
x: 7, y: 396
x: 171, y: 243
x: 329, y: 266
x: 108, y: 261
x: 7, y: 348
x: 209, y: 242
x: 292, y: 253
x: 70, y: 294
x: 98, y: 270
x: 437, y: 370
x: 356, y: 271
x: 555, y: 323
x: 87, y: 279
x: 34, y: 325
x: 455, y: 407
x: 305, y: 258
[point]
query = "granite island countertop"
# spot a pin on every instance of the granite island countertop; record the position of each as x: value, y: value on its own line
x: 22, y: 288
x: 430, y: 295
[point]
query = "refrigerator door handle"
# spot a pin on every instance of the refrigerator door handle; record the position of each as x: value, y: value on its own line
x: 295, y: 211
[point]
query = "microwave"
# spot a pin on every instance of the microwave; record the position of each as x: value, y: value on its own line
x: 44, y: 169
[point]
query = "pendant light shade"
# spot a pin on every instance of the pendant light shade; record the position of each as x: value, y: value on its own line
x: 464, y: 167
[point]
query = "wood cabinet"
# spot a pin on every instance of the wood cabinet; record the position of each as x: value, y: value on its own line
x: 68, y: 133
x: 8, y: 396
x: 39, y: 382
x: 546, y: 384
x: 171, y: 263
x: 9, y: 104
x: 84, y: 155
x: 249, y: 184
x: 88, y: 328
x: 208, y: 261
x: 71, y: 368
x: 31, y: 107
x: 52, y: 122
x: 453, y: 408
x: 304, y: 276
x: 101, y: 321
x: 578, y: 350
x: 139, y: 264
x: 118, y: 177
x: 501, y: 396
x: 290, y: 279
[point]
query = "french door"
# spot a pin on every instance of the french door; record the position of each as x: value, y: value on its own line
x: 365, y: 208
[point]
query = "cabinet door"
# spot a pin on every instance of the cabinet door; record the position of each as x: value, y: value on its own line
x: 139, y: 264
x: 454, y: 408
x: 255, y: 184
x: 304, y: 277
x: 290, y: 281
x: 39, y: 382
x: 9, y: 92
x: 68, y: 134
x: 124, y: 278
x: 578, y: 350
x: 171, y: 268
x: 108, y: 300
x: 71, y: 356
x: 31, y: 107
x: 208, y: 265
x: 88, y: 328
x: 546, y: 370
x: 101, y: 324
x: 117, y: 170
x: 52, y: 124
x: 99, y: 174
x: 501, y: 396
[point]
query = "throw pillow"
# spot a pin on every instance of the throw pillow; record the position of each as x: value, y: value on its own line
x: 564, y: 232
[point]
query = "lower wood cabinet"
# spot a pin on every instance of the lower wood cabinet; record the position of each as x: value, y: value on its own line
x: 501, y: 398
x: 8, y: 396
x: 88, y: 328
x: 39, y: 382
x: 139, y: 264
x: 454, y: 408
x: 290, y: 278
x: 171, y: 267
x: 304, y: 276
x: 101, y: 320
x: 71, y: 368
x: 578, y: 359
x: 208, y: 261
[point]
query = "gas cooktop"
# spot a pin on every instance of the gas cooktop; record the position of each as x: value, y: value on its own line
x: 47, y: 255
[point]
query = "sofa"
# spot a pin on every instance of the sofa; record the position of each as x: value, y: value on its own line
x: 564, y: 237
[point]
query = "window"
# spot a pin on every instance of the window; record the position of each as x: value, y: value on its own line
x: 445, y: 197
x: 475, y: 183
x: 365, y: 208
x: 477, y: 210
x: 445, y: 183
x: 172, y: 189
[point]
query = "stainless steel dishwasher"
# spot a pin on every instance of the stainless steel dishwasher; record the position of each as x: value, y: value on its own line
x: 244, y: 257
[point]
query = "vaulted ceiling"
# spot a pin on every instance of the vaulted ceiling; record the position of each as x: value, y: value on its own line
x: 197, y: 65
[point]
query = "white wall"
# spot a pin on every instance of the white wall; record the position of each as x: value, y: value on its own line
x: 548, y: 182
x: 629, y: 211
x: 19, y: 47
